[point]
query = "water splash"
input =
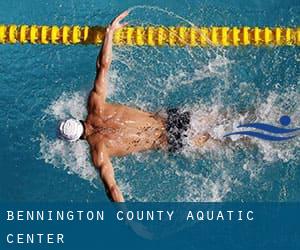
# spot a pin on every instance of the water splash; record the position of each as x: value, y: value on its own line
x: 74, y: 158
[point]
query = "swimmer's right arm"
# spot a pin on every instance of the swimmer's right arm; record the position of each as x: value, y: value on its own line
x: 103, y: 164
x: 105, y: 56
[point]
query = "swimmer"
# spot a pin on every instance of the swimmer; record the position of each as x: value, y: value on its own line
x: 114, y: 130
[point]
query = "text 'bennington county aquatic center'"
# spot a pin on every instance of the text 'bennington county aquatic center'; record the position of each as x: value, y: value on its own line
x: 96, y: 216
x: 129, y: 215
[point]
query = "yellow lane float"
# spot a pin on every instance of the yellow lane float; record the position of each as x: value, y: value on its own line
x: 152, y: 35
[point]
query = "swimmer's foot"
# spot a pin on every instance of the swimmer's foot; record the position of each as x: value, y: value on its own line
x: 200, y: 140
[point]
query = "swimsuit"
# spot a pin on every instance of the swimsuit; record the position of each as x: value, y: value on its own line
x: 177, y: 125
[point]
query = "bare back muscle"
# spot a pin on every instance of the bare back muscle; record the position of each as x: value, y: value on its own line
x: 125, y: 130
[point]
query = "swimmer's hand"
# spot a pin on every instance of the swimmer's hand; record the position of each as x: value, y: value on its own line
x: 115, y: 24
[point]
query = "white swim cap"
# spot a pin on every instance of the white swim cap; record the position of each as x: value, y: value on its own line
x: 70, y: 130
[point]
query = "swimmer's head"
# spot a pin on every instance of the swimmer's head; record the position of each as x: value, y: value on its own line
x: 70, y: 130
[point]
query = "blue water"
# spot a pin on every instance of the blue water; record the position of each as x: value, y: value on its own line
x: 42, y: 84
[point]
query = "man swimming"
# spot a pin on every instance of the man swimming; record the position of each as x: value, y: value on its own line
x: 117, y: 130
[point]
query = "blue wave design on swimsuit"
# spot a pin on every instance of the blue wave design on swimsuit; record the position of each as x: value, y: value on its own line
x: 284, y: 121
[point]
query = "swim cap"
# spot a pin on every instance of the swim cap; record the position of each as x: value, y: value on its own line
x: 70, y: 129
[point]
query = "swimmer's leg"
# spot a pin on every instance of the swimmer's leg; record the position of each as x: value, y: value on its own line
x: 200, y: 140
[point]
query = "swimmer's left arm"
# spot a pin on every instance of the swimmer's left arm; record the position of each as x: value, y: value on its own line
x: 105, y: 56
x: 103, y: 164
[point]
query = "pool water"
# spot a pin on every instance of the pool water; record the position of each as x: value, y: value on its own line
x: 43, y: 84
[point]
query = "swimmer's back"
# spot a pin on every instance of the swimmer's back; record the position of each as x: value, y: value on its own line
x: 126, y: 130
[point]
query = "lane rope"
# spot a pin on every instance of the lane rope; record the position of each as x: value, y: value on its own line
x: 152, y: 35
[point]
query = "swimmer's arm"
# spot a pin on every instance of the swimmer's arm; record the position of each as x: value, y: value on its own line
x: 105, y: 56
x: 103, y: 164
